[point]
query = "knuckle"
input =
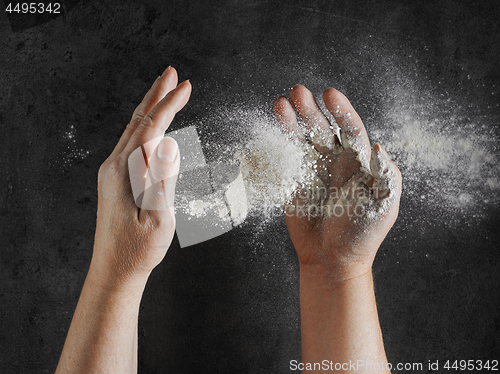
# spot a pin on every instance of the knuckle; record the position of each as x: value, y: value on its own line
x: 111, y: 169
x: 138, y: 116
x: 136, y: 120
x: 103, y: 168
x: 148, y: 120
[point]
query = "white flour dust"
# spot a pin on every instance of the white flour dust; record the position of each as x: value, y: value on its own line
x: 447, y: 164
x: 271, y: 163
x: 274, y: 164
x: 72, y: 153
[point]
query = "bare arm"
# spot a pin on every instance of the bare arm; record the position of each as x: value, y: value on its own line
x: 339, y: 320
x: 132, y: 235
x: 103, y: 332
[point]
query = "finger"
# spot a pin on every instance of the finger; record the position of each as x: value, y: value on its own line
x: 159, y: 118
x: 162, y: 176
x: 161, y: 87
x: 317, y: 125
x: 352, y: 131
x: 285, y: 115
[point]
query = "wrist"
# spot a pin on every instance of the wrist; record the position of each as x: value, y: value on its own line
x: 108, y: 281
x: 332, y: 274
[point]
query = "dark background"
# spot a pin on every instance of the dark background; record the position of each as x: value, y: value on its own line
x: 68, y: 85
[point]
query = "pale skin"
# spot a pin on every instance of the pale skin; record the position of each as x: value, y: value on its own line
x: 338, y: 311
x: 129, y: 242
x: 339, y: 320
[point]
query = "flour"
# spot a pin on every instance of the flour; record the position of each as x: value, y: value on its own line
x: 198, y: 208
x: 272, y: 166
x: 275, y: 166
x: 445, y: 164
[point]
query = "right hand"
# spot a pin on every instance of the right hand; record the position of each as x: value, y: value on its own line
x: 340, y: 245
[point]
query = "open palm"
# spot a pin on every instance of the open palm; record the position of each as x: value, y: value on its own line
x: 352, y: 229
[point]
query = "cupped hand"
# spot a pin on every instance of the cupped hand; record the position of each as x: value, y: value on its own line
x: 135, y: 227
x: 362, y: 184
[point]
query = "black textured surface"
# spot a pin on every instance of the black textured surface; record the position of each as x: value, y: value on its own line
x: 70, y: 83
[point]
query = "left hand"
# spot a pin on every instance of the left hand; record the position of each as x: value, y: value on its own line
x: 130, y: 241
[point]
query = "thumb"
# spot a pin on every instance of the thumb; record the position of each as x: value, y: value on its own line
x: 161, y: 178
x: 387, y: 176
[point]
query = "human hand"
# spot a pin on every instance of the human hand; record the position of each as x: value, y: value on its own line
x: 130, y: 241
x: 363, y: 188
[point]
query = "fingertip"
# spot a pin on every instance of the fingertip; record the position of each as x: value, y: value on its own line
x: 180, y: 95
x: 329, y: 91
x: 168, y: 70
x: 297, y: 91
x: 163, y: 85
x: 335, y: 97
x: 169, y: 74
x: 280, y: 100
x: 280, y: 105
x: 383, y: 167
x: 303, y: 100
x: 164, y: 164
x: 186, y: 85
x: 298, y: 88
x: 186, y: 88
x: 286, y: 118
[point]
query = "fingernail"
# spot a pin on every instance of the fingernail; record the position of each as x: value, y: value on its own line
x: 167, y: 149
x: 384, y: 153
x: 337, y: 146
x: 346, y: 140
x: 166, y: 70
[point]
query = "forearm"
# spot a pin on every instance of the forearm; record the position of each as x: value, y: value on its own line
x: 103, y: 334
x: 339, y: 322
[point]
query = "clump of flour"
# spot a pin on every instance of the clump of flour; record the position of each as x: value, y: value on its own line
x: 273, y: 165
